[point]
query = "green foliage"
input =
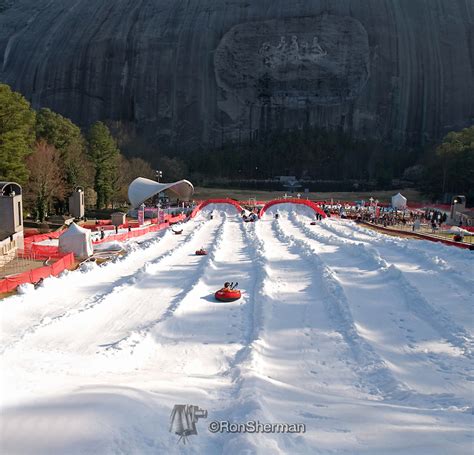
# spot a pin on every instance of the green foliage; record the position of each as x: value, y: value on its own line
x: 57, y: 130
x: 67, y: 138
x: 173, y: 169
x: 104, y: 154
x: 17, y: 121
x: 311, y: 152
x: 129, y: 170
x: 61, y: 159
x: 451, y: 168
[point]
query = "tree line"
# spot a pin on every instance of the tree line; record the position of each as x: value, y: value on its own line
x: 50, y: 156
x: 450, y: 169
x: 333, y: 155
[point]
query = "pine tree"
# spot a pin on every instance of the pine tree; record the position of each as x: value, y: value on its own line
x: 104, y: 154
x: 17, y: 122
x: 451, y: 168
x: 67, y: 138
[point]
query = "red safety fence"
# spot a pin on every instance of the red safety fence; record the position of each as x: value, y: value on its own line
x: 106, y: 226
x: 32, y: 276
x: 142, y: 231
x: 31, y: 244
x: 45, y: 250
x: 132, y: 234
x: 40, y: 237
x: 65, y: 260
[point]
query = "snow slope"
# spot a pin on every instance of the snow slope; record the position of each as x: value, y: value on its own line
x: 364, y: 338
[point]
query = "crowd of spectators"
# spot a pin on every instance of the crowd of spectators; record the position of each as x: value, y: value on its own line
x: 388, y: 216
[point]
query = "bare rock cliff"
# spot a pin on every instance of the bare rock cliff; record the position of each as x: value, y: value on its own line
x: 194, y: 72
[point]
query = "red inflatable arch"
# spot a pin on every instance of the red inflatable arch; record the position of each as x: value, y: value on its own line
x: 203, y: 204
x: 310, y: 204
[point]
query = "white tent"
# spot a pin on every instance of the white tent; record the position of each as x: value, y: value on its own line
x: 76, y: 240
x: 142, y: 189
x: 399, y: 201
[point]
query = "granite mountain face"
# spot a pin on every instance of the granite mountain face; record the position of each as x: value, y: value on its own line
x: 188, y: 73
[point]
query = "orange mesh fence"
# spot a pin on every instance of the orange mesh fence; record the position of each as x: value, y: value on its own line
x: 32, y: 276
x: 140, y: 232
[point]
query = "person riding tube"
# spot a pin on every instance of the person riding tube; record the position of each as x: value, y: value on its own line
x: 228, y: 293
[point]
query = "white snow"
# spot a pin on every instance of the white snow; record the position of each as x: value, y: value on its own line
x: 364, y: 338
x: 216, y: 209
x: 287, y: 207
x: 109, y: 246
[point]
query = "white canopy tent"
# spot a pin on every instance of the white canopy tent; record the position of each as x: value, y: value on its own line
x: 76, y: 240
x: 142, y: 189
x: 399, y: 201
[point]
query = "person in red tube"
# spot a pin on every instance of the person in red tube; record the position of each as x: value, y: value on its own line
x: 226, y: 287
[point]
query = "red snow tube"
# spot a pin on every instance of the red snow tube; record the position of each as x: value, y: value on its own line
x: 201, y: 252
x: 228, y: 296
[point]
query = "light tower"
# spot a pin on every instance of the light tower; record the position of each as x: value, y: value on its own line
x: 458, y: 203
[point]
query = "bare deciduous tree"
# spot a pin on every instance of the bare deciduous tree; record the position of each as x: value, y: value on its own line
x: 45, y: 182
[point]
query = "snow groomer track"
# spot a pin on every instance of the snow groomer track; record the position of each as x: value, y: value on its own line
x: 365, y: 339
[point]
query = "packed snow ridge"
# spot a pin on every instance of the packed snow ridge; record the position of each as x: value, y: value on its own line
x: 365, y: 339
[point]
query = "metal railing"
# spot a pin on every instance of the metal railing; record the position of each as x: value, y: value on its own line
x: 19, y: 261
x: 426, y: 229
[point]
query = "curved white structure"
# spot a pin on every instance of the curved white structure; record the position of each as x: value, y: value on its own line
x: 142, y: 189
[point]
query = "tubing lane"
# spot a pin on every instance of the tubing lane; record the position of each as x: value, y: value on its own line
x: 190, y: 285
x: 367, y: 351
x: 200, y: 340
x: 402, y: 310
x: 242, y: 367
x: 112, y: 295
x: 413, y: 298
x: 81, y: 294
x: 439, y: 257
x: 292, y: 285
x: 376, y: 376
